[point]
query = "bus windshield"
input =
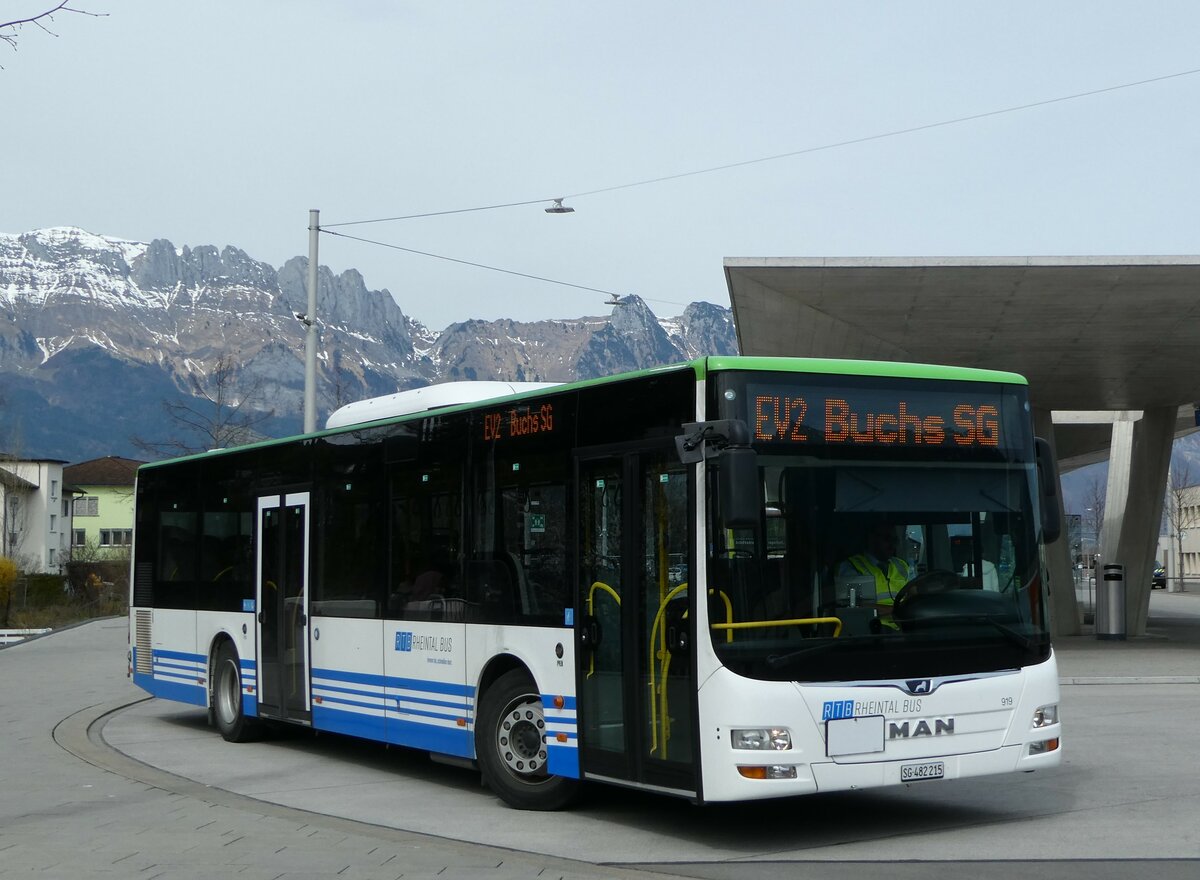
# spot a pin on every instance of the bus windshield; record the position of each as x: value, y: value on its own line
x: 909, y: 552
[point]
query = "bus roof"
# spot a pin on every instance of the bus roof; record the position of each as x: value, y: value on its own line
x: 700, y: 366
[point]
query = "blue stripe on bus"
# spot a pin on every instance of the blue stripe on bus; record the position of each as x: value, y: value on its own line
x: 451, y: 689
x: 160, y: 676
x: 448, y: 741
x: 562, y: 761
x: 250, y: 705
x: 388, y: 709
x: 179, y: 655
x: 194, y: 669
x: 194, y: 694
x: 548, y: 702
x: 349, y: 723
x: 319, y: 684
x: 414, y: 734
x: 390, y: 696
x: 325, y: 701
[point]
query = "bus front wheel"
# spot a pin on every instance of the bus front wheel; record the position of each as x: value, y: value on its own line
x: 510, y: 742
x: 227, y: 697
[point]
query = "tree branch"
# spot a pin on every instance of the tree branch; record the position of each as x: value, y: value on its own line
x: 9, y: 29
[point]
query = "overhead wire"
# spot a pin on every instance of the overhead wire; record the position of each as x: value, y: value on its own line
x: 326, y: 227
x: 408, y: 250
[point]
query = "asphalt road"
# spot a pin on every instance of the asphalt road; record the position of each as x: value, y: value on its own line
x: 144, y: 788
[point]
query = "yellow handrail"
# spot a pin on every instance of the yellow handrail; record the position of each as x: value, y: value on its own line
x: 662, y: 656
x: 797, y: 621
x: 598, y: 585
x: 728, y: 612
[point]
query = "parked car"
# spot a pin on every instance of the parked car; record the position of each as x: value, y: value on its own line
x: 1158, y: 581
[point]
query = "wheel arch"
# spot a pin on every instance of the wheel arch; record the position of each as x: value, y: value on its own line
x: 498, y: 666
x: 219, y: 640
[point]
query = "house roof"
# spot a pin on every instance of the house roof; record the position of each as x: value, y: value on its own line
x: 11, y: 481
x: 111, y: 470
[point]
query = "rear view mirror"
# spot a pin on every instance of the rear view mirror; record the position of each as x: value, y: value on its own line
x: 1047, y: 473
x: 737, y: 487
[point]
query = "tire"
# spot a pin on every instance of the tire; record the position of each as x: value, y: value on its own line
x: 510, y: 742
x: 227, y: 698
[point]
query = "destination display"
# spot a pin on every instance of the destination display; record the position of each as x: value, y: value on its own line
x: 797, y: 414
x: 522, y: 421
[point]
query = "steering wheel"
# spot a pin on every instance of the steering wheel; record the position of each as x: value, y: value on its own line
x: 937, y: 580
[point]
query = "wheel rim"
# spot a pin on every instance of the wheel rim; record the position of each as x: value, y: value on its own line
x: 521, y: 739
x: 229, y: 692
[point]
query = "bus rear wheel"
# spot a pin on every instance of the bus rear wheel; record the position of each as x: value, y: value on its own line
x: 510, y: 741
x: 227, y: 697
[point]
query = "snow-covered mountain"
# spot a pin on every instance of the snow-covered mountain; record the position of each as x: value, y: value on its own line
x: 95, y: 332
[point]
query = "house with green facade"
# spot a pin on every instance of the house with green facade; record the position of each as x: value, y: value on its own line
x: 102, y: 507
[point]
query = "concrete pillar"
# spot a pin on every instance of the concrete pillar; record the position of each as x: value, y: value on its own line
x: 1119, y: 459
x: 1064, y: 609
x: 1137, y: 541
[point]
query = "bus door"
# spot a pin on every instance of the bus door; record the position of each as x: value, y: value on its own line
x: 637, y: 689
x: 281, y: 586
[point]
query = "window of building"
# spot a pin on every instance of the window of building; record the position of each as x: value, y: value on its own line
x: 53, y: 522
x: 116, y: 537
x: 53, y: 553
x: 53, y: 489
x: 87, y: 506
x: 78, y: 537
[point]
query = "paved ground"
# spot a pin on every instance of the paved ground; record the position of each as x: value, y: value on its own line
x: 90, y: 788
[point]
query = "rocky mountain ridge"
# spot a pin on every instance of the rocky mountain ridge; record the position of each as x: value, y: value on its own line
x: 96, y: 331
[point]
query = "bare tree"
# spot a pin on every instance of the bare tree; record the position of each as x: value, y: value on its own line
x: 11, y: 30
x: 1179, y: 513
x: 1095, y: 495
x: 222, y: 412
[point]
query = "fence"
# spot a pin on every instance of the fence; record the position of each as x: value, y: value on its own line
x: 12, y: 636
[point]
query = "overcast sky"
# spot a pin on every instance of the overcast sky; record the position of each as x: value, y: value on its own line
x: 224, y: 122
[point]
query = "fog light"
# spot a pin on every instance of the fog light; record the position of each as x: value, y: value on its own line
x: 775, y: 739
x: 1041, y: 748
x: 773, y: 771
x: 1045, y: 716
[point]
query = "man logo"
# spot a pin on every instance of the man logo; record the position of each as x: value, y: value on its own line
x: 918, y: 686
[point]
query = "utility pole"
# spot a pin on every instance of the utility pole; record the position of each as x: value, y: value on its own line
x: 310, y: 321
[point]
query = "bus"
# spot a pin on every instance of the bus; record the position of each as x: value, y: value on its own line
x: 638, y: 580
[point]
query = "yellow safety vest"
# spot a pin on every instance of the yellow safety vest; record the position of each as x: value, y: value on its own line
x: 886, y: 585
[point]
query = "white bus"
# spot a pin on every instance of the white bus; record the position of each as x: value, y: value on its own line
x: 646, y: 580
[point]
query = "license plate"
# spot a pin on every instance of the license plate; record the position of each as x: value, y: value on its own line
x: 918, y: 772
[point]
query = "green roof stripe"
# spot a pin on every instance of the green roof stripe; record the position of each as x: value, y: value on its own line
x: 701, y: 367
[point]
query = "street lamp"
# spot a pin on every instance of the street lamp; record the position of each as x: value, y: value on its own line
x: 310, y: 323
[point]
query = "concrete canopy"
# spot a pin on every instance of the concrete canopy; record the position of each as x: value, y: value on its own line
x: 1089, y: 333
x: 1102, y: 334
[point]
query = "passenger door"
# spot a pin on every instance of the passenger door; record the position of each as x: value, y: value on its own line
x: 281, y: 588
x: 637, y: 691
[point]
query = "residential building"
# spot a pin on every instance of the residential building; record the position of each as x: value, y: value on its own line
x: 35, y: 513
x: 1181, y: 543
x: 102, y: 510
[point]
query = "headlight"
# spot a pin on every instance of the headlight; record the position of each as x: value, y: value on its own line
x: 1045, y: 716
x: 777, y: 739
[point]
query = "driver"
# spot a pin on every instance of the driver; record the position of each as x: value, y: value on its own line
x: 880, y: 561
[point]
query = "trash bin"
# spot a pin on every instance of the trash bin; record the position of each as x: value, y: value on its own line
x: 1110, y: 603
